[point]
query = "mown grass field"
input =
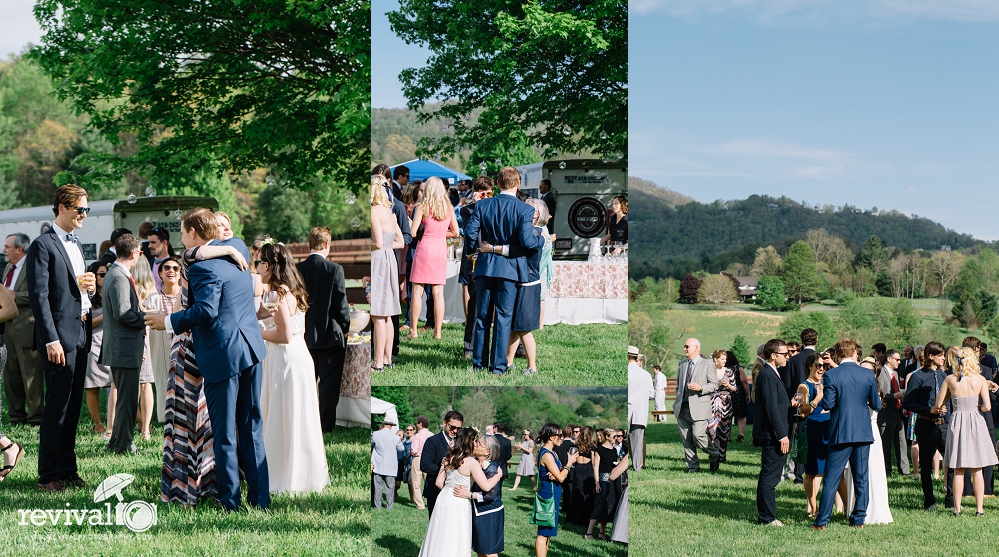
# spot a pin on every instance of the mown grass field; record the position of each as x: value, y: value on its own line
x: 674, y: 513
x: 399, y: 532
x: 333, y: 522
x: 592, y: 354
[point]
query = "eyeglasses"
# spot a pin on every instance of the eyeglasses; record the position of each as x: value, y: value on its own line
x: 781, y: 353
x: 101, y: 274
x: 687, y: 346
x: 79, y: 210
x: 171, y: 267
x: 453, y: 427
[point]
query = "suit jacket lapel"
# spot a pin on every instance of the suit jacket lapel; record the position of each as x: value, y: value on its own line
x: 65, y: 258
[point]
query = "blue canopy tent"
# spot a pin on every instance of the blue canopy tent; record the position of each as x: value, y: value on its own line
x: 421, y: 169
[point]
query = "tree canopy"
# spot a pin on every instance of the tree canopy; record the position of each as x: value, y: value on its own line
x: 227, y: 85
x: 556, y: 71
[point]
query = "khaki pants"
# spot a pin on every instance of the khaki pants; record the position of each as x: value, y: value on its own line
x: 694, y: 434
x: 24, y: 384
x: 414, y: 484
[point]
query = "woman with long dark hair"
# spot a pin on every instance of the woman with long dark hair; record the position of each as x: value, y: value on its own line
x: 289, y: 400
x: 604, y: 459
x: 449, y: 533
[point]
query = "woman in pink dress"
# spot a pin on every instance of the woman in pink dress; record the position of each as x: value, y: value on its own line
x: 435, y: 214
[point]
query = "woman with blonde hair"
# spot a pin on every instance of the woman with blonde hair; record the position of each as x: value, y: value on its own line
x: 385, y: 237
x: 435, y: 214
x: 142, y: 274
x: 969, y: 444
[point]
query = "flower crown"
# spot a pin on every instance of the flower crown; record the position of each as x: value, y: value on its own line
x: 268, y: 241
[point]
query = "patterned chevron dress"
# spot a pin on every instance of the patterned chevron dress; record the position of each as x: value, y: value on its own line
x: 188, y: 452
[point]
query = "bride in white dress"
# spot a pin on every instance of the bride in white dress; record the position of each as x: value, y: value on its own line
x: 289, y: 401
x: 449, y: 533
x: 877, y: 481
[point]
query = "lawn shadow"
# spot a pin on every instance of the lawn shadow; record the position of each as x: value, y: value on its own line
x: 398, y: 546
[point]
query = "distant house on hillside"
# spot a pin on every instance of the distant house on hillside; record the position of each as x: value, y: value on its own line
x: 747, y: 288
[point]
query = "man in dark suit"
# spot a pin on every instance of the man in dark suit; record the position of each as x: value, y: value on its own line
x: 109, y: 257
x: 796, y: 375
x: 548, y: 196
x: 506, y: 448
x: 770, y: 430
x: 400, y: 177
x: 434, y: 451
x: 921, y: 390
x: 848, y: 390
x: 909, y: 364
x: 24, y: 383
x: 61, y: 290
x: 229, y: 349
x: 482, y: 188
x: 500, y: 221
x: 326, y: 321
x: 124, y: 324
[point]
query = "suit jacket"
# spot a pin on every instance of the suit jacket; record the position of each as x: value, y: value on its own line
x: 848, y: 391
x: 221, y: 316
x: 328, y: 318
x: 771, y: 407
x: 465, y: 267
x: 794, y: 372
x: 56, y: 297
x: 700, y: 402
x: 506, y: 452
x: 384, y: 444
x: 640, y: 391
x: 434, y: 451
x: 887, y: 393
x: 503, y: 220
x: 551, y: 203
x: 19, y: 331
x: 108, y: 259
x: 124, y: 321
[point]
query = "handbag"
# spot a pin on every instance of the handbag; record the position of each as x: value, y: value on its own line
x: 799, y: 448
x: 543, y: 513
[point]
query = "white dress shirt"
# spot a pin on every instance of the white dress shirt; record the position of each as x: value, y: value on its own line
x: 79, y: 267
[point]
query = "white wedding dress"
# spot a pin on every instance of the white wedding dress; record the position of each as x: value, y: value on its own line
x: 449, y: 533
x: 289, y: 404
x: 877, y: 505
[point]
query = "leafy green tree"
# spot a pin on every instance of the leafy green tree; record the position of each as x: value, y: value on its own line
x: 717, y: 290
x: 791, y: 327
x: 766, y: 263
x: 224, y: 85
x: 498, y: 152
x: 399, y: 396
x: 801, y: 279
x: 285, y: 213
x: 892, y: 321
x: 585, y: 409
x: 770, y: 294
x: 988, y: 305
x: 873, y: 255
x: 741, y: 349
x: 557, y: 71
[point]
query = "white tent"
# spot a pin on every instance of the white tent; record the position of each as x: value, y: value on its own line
x: 353, y: 412
x: 379, y: 406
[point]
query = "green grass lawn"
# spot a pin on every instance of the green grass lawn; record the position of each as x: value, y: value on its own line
x: 399, y: 532
x: 673, y: 513
x: 592, y: 354
x: 333, y: 522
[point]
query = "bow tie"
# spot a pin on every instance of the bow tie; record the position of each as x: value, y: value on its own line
x: 72, y: 238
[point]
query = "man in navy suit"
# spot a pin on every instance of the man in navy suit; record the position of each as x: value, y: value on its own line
x: 60, y: 289
x: 500, y: 221
x: 770, y: 431
x: 848, y: 390
x: 228, y: 348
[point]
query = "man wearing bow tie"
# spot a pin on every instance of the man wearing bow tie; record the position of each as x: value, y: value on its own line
x: 62, y: 288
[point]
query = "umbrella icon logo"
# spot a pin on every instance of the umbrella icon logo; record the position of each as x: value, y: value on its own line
x: 137, y: 516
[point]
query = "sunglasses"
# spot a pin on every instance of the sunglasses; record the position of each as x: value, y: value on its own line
x: 257, y: 262
x: 101, y: 274
x: 79, y: 210
x: 171, y: 267
x: 409, y: 430
x: 781, y: 353
x: 453, y: 427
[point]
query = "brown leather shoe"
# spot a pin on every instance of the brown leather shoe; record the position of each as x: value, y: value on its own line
x: 52, y: 487
x: 814, y: 527
x: 75, y: 480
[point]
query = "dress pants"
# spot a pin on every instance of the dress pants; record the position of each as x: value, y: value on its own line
x: 329, y: 373
x: 238, y: 437
x: 931, y: 438
x: 61, y: 415
x: 771, y: 466
x: 24, y: 384
x: 384, y: 484
x: 415, y: 477
x: 126, y: 379
x: 857, y: 454
x: 500, y: 294
x: 470, y: 320
x: 893, y: 437
x: 431, y: 493
x: 636, y: 439
x: 694, y: 434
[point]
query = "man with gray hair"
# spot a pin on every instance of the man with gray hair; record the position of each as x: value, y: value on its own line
x: 696, y: 380
x: 384, y: 465
x: 25, y: 384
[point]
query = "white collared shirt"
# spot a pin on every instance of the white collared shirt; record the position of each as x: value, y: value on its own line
x: 17, y: 272
x: 79, y: 267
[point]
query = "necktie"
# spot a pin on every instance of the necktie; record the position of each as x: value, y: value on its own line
x: 686, y: 380
x: 135, y: 288
x: 894, y: 389
x: 10, y: 275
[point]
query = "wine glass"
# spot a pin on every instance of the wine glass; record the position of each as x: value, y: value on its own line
x: 271, y: 299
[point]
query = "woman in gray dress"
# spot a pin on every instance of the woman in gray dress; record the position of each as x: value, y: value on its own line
x: 385, y: 237
x: 969, y: 445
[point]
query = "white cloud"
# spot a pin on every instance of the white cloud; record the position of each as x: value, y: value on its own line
x: 18, y: 27
x: 769, y: 10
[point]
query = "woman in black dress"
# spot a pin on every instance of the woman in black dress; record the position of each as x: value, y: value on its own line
x: 583, y: 482
x: 617, y: 224
x: 603, y: 460
x: 740, y: 397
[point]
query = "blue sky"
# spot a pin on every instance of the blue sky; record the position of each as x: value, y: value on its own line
x: 17, y: 27
x: 389, y: 56
x: 893, y: 104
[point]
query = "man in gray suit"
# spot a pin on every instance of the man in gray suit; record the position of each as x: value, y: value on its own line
x: 384, y: 464
x: 124, y: 336
x: 696, y: 380
x: 24, y: 381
